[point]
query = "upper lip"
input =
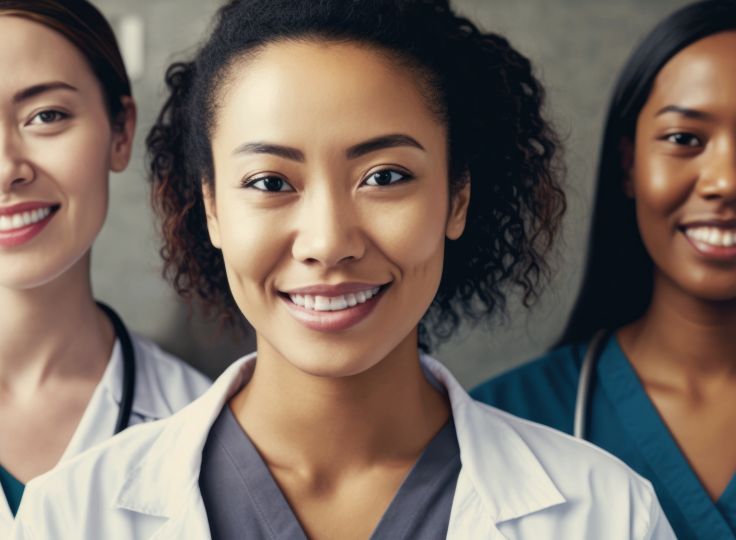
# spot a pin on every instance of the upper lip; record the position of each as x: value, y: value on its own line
x: 24, y: 207
x: 711, y: 222
x: 334, y: 290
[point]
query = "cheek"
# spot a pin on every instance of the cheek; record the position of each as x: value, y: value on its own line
x: 252, y: 243
x: 411, y: 232
x: 661, y: 184
x: 80, y: 164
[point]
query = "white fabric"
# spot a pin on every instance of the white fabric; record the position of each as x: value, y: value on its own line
x: 164, y: 384
x: 518, y: 480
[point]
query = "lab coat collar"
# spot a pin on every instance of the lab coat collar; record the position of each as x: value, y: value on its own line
x: 175, y: 456
x: 508, y: 478
x: 504, y: 471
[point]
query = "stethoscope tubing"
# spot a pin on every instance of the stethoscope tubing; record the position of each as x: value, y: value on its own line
x: 126, y: 346
x: 582, y: 399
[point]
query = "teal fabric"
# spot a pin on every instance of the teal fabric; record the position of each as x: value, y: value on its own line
x: 12, y: 488
x: 622, y: 420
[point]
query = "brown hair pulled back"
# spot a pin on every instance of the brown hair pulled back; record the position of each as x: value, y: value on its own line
x: 88, y: 30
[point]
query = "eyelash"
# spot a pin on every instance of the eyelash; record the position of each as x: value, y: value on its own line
x: 689, y: 136
x: 252, y: 182
x: 58, y: 116
x: 403, y: 177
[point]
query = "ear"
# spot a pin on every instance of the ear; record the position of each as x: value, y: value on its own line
x: 626, y: 151
x: 123, y: 129
x: 213, y: 226
x: 458, y: 215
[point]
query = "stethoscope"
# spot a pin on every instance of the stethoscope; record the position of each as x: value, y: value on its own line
x: 126, y: 345
x: 582, y: 399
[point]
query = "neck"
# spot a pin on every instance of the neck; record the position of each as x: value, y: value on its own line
x: 685, y: 337
x: 321, y: 425
x: 53, y: 329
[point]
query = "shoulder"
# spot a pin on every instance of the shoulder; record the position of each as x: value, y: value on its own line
x: 598, y: 489
x: 76, y: 491
x: 542, y: 390
x: 165, y: 379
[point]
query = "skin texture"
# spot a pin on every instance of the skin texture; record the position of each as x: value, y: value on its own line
x: 359, y: 410
x: 683, y: 173
x: 56, y: 146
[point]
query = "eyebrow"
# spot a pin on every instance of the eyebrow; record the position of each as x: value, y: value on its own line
x: 285, y: 152
x: 684, y: 111
x: 380, y: 143
x: 38, y: 89
x: 359, y: 150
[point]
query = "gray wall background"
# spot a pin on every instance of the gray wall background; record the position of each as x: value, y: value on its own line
x: 577, y: 46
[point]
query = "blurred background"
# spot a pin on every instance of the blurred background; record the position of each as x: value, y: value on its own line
x: 577, y: 46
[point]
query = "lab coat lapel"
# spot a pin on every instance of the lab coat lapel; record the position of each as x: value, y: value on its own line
x: 500, y: 477
x: 166, y: 482
x: 189, y: 523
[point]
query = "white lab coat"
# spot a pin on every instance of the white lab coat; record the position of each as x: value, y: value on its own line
x: 518, y: 480
x: 164, y: 384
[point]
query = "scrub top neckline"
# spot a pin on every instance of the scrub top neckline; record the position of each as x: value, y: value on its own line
x: 273, y: 507
x: 658, y: 446
x: 12, y: 489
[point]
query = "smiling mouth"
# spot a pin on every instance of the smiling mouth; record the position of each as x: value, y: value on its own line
x: 21, y: 220
x: 717, y: 237
x: 333, y: 309
x: 333, y: 303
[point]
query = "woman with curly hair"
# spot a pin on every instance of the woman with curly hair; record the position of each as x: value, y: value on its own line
x: 354, y: 178
x: 645, y: 368
x: 71, y: 375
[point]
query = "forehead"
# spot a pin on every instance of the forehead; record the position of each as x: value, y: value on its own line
x: 33, y: 53
x: 702, y: 74
x: 306, y: 89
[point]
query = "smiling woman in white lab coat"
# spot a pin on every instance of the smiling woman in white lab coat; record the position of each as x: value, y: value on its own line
x: 314, y: 167
x: 70, y: 373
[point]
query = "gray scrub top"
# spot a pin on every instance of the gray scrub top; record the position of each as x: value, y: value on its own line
x: 242, y: 499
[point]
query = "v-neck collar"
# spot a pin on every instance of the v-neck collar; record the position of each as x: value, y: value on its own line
x: 275, y: 511
x: 12, y: 489
x: 648, y: 431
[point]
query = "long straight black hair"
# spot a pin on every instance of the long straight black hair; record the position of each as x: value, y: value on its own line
x: 617, y: 283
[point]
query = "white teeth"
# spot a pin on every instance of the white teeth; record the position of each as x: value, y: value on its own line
x: 23, y: 219
x: 713, y: 236
x: 333, y: 303
x: 339, y: 302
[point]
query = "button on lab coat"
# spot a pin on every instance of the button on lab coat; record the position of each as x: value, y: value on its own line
x: 518, y: 480
x: 164, y: 384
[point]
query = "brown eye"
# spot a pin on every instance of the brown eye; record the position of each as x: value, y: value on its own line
x: 48, y: 117
x: 272, y: 184
x: 683, y: 139
x: 386, y: 177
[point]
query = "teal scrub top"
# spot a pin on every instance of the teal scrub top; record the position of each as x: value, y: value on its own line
x: 622, y: 420
x: 12, y: 488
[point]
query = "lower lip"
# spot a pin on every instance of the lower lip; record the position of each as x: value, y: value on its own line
x: 717, y: 253
x: 332, y: 321
x: 18, y: 237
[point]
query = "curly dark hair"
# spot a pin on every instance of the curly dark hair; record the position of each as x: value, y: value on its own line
x: 482, y: 88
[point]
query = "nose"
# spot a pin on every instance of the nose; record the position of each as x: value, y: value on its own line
x: 328, y: 230
x: 718, y: 178
x: 15, y: 169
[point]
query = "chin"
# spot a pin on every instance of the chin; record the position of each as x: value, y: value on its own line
x: 713, y: 290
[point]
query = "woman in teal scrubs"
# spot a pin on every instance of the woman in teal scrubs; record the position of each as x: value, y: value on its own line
x: 660, y: 281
